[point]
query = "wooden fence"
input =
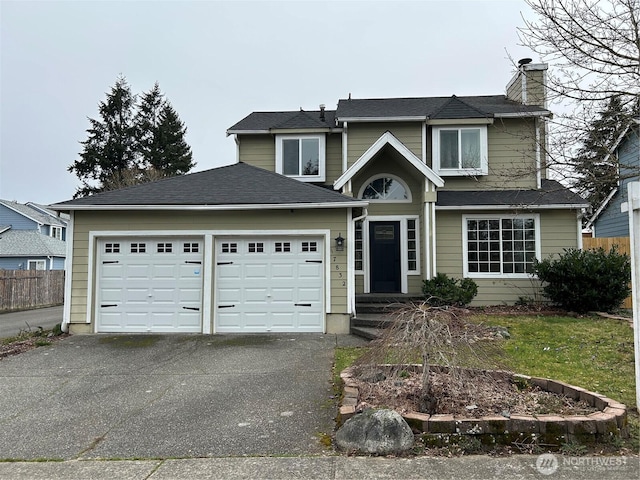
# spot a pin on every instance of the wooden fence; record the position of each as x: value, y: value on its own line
x: 624, y: 246
x: 24, y: 289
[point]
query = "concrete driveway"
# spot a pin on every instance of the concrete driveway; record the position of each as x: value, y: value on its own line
x: 149, y: 396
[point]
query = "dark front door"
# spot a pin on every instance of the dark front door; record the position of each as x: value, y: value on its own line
x: 384, y: 256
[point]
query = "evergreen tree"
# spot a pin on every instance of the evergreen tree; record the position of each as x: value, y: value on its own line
x: 110, y: 148
x: 160, y: 134
x: 176, y: 157
x: 132, y: 143
x: 595, y: 164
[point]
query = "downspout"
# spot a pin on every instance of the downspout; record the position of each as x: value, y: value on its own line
x: 352, y: 275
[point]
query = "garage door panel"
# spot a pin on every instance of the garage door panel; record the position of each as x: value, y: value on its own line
x: 264, y: 278
x: 148, y: 288
x: 258, y: 271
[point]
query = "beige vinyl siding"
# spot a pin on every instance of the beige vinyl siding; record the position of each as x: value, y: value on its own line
x: 514, y: 92
x: 512, y: 158
x: 362, y: 136
x: 258, y: 150
x: 558, y: 230
x: 333, y: 157
x: 162, y: 223
x: 535, y: 87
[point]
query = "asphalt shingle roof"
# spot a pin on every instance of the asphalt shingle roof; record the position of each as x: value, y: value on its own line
x: 452, y: 107
x: 237, y: 184
x: 292, y: 119
x: 486, y: 105
x: 18, y: 243
x: 33, y: 213
x: 551, y: 193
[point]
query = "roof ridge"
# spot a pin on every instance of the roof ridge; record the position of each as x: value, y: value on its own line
x: 455, y: 98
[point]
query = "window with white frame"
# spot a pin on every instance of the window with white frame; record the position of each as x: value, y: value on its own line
x: 385, y: 188
x: 359, y: 247
x: 36, y: 265
x: 412, y: 245
x: 501, y: 245
x: 56, y: 232
x: 301, y: 157
x: 460, y: 150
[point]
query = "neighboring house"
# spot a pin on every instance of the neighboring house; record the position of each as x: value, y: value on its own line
x: 372, y: 197
x: 609, y: 220
x: 32, y: 237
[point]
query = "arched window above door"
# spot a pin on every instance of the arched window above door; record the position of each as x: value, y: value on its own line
x: 385, y: 188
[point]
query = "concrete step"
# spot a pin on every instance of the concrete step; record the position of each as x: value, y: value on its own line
x: 366, y: 332
x: 372, y: 320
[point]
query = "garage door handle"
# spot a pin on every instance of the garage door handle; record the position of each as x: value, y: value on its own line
x: 226, y: 306
x: 313, y: 261
x: 109, y: 261
x: 192, y: 308
x: 109, y: 305
x: 302, y: 304
x: 224, y: 263
x: 198, y: 263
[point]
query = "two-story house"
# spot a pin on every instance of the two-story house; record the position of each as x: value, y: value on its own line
x: 372, y: 197
x: 32, y: 237
x: 609, y: 220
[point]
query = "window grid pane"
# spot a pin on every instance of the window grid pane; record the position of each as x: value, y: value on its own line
x: 358, y: 246
x: 291, y: 157
x: 449, y: 149
x: 498, y: 246
x: 412, y: 246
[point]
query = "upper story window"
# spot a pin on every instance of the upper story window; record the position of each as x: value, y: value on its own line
x: 301, y: 157
x: 460, y: 150
x: 56, y: 232
x: 385, y: 188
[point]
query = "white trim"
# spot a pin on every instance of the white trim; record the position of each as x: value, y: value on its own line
x: 558, y: 206
x: 465, y: 265
x: 351, y: 241
x: 427, y: 241
x: 345, y: 149
x: 390, y: 139
x: 404, y: 185
x: 248, y: 206
x: 68, y: 272
x: 37, y: 261
x: 579, y: 225
x: 407, y: 118
x: 434, y: 269
x: 538, y: 158
x: 207, y: 284
x: 246, y: 132
x: 404, y: 257
x: 602, y: 206
x: 537, y: 113
x: 424, y: 142
x: 322, y: 156
x: 460, y: 121
x: 484, y: 151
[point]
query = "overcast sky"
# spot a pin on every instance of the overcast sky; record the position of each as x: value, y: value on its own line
x: 219, y: 61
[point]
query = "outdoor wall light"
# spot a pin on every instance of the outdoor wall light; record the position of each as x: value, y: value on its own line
x: 339, y: 243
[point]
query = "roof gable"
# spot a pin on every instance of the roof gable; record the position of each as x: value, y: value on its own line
x: 455, y: 108
x: 387, y: 138
x: 233, y: 186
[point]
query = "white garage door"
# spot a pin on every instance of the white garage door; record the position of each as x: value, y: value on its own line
x: 149, y: 285
x: 269, y: 285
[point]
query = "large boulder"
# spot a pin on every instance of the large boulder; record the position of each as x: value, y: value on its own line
x: 378, y: 432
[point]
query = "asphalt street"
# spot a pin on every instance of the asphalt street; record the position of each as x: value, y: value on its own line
x: 12, y: 323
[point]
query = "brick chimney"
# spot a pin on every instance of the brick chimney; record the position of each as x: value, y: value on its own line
x: 528, y: 84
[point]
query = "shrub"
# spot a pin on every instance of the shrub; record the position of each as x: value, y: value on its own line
x: 443, y: 290
x: 586, y: 280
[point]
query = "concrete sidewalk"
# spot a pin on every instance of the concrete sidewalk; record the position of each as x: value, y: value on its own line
x: 474, y: 467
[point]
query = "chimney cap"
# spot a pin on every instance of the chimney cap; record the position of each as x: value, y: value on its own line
x: 524, y: 61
